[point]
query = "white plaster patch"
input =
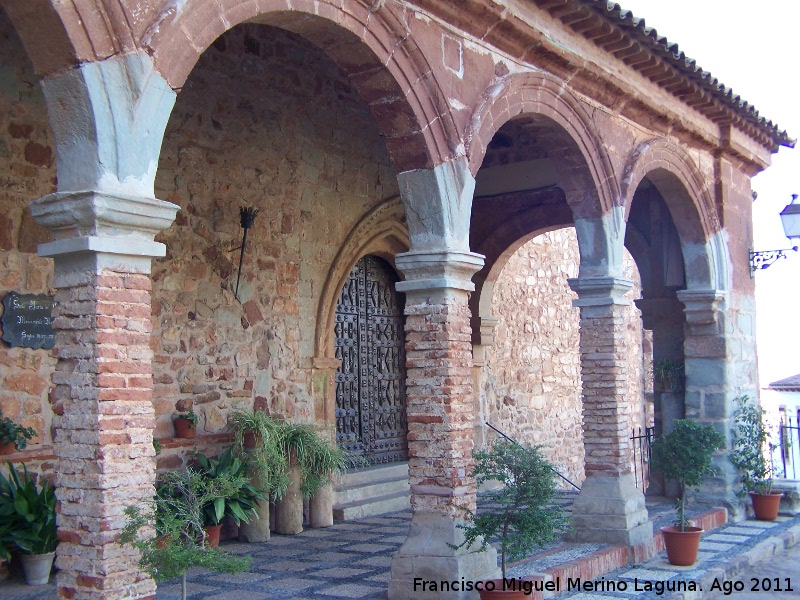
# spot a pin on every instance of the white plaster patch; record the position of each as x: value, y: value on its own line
x: 453, y: 55
x: 456, y: 104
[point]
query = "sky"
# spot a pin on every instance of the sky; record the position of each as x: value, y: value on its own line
x: 754, y: 48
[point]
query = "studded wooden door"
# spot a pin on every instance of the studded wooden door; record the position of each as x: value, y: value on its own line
x: 370, y: 383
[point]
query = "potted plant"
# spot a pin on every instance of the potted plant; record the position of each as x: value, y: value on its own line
x: 176, y: 515
x: 256, y: 437
x: 30, y: 517
x: 685, y: 455
x: 240, y: 505
x: 13, y: 436
x: 751, y: 454
x: 311, y: 462
x: 520, y: 514
x: 669, y: 374
x: 185, y: 424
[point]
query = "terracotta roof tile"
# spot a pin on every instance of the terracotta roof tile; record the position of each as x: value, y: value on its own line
x: 648, y: 37
x: 790, y: 384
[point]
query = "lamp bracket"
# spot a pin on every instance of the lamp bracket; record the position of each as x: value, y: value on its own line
x: 762, y: 259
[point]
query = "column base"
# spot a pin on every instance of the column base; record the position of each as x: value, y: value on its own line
x: 610, y: 510
x: 426, y: 556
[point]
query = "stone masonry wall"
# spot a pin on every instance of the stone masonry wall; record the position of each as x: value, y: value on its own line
x: 531, y: 380
x: 27, y: 171
x: 238, y: 137
x: 264, y: 120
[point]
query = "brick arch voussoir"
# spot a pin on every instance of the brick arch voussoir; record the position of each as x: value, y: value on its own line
x: 693, y: 213
x: 419, y: 132
x: 58, y: 36
x: 382, y: 232
x: 543, y: 94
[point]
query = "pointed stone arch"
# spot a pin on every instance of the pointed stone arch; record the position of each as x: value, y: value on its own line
x: 380, y: 232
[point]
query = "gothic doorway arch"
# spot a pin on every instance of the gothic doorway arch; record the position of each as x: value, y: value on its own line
x: 370, y: 382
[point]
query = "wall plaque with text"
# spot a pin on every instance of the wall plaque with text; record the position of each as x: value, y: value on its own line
x: 27, y: 321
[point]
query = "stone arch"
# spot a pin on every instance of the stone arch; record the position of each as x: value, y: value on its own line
x: 485, y: 293
x: 380, y: 232
x: 590, y: 185
x: 690, y: 202
x: 370, y: 43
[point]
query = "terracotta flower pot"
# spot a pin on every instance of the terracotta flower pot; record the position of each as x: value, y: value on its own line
x: 8, y: 448
x: 682, y: 546
x: 184, y: 428
x: 212, y: 535
x: 766, y: 506
x: 251, y: 440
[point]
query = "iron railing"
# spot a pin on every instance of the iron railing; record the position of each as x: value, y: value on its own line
x: 788, y: 447
x: 513, y: 441
x: 641, y: 441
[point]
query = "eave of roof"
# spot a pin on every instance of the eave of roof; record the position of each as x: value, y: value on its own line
x: 790, y: 384
x: 706, y: 93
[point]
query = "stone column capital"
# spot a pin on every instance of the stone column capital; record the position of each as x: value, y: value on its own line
x: 434, y: 270
x: 702, y: 309
x: 96, y: 213
x: 600, y: 291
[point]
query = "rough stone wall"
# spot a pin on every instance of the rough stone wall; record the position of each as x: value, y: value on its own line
x: 532, y: 380
x: 27, y: 171
x: 265, y: 120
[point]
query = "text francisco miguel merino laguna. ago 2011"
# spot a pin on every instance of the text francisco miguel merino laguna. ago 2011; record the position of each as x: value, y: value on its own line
x: 573, y: 584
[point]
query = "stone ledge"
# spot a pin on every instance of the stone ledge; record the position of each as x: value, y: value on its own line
x: 731, y: 570
x: 609, y: 559
x: 30, y: 455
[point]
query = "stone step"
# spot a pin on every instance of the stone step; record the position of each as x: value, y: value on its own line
x: 372, y: 491
x: 375, y: 506
x: 367, y: 475
x: 365, y: 491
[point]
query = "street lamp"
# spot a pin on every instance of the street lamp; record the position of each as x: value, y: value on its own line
x: 790, y: 218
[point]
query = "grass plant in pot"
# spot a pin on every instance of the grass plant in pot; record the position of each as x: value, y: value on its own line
x: 257, y: 437
x: 13, y: 436
x: 168, y: 531
x: 311, y: 462
x: 669, y: 375
x: 240, y: 505
x: 751, y: 454
x: 685, y: 455
x: 29, y: 517
x: 521, y: 514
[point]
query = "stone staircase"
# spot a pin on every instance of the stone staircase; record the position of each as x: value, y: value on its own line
x: 372, y: 491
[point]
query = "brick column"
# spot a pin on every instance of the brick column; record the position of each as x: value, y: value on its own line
x: 440, y: 410
x: 609, y: 509
x: 103, y: 381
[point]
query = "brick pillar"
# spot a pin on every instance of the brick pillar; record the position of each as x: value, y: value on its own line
x: 440, y: 410
x: 609, y: 509
x: 102, y: 398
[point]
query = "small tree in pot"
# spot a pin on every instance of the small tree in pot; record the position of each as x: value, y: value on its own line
x: 520, y: 514
x: 751, y: 454
x: 685, y: 455
x: 179, y: 540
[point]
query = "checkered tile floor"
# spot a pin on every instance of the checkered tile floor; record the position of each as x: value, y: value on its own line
x: 352, y: 560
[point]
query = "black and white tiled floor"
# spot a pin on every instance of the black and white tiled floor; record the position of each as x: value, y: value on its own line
x: 352, y: 561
